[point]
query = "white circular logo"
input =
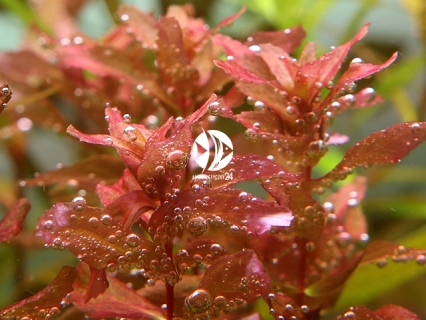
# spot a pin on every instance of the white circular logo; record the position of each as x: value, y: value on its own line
x: 221, y: 144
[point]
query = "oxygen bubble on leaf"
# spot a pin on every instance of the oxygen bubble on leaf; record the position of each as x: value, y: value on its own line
x: 317, y: 149
x: 159, y: 170
x: 220, y: 302
x: 199, y: 301
x: 215, y: 108
x: 259, y: 105
x: 421, y: 259
x: 177, y: 160
x: 251, y: 135
x: 243, y: 197
x: 351, y: 87
x: 349, y: 100
x: 93, y: 222
x: 133, y: 240
x: 197, y: 226
x: 106, y: 219
x: 216, y: 249
x: 356, y: 60
x: 129, y: 133
x: 79, y: 203
x: 48, y: 224
x: 415, y: 127
x: 369, y: 94
x: 255, y: 48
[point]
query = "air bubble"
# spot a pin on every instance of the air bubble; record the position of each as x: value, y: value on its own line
x: 369, y: 94
x: 216, y: 249
x: 317, y: 149
x: 215, y: 108
x: 177, y: 159
x: 415, y: 127
x: 48, y: 224
x: 255, y: 48
x: 251, y: 135
x: 130, y: 133
x: 159, y: 170
x: 349, y: 100
x: 197, y: 226
x: 79, y: 203
x: 93, y: 222
x: 243, y: 197
x: 356, y: 61
x: 199, y: 301
x: 133, y: 240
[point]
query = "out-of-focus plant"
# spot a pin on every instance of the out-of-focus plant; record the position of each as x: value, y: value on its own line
x: 155, y: 236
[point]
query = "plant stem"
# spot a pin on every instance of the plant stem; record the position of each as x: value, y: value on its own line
x: 301, y: 245
x: 170, y: 294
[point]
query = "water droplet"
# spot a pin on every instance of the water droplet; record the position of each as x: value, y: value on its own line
x: 177, y: 159
x: 199, y: 301
x: 251, y: 135
x: 79, y: 203
x: 196, y: 226
x: 133, y: 240
x: 215, y: 108
x: 317, y: 149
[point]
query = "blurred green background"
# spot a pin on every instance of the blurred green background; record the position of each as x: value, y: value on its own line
x: 395, y: 205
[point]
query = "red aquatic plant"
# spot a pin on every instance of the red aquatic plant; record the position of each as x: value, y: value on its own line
x: 166, y: 239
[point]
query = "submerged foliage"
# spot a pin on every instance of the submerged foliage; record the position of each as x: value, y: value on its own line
x: 155, y: 236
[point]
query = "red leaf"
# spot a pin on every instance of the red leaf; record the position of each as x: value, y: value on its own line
x: 393, y: 312
x: 379, y: 251
x: 47, y: 301
x: 361, y: 313
x: 288, y: 40
x: 100, y: 237
x: 97, y: 285
x: 142, y: 25
x: 284, y: 307
x: 198, y: 251
x: 237, y: 276
x: 386, y: 146
x: 199, y: 208
x: 117, y: 301
x: 125, y: 184
x: 11, y: 223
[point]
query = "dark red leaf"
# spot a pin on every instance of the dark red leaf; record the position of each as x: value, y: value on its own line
x: 100, y: 237
x: 198, y: 251
x: 284, y: 307
x: 232, y: 278
x: 389, y: 145
x: 198, y: 209
x: 97, y: 285
x: 117, y: 301
x: 46, y: 302
x: 11, y: 223
x: 393, y: 312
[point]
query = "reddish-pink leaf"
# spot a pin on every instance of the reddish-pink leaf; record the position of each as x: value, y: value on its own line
x: 110, y: 193
x: 46, y: 302
x: 228, y: 20
x: 117, y: 301
x: 288, y: 39
x: 97, y: 285
x: 357, y: 71
x: 393, y: 312
x: 11, y: 223
x: 389, y: 145
x: 142, y: 25
x: 87, y: 172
